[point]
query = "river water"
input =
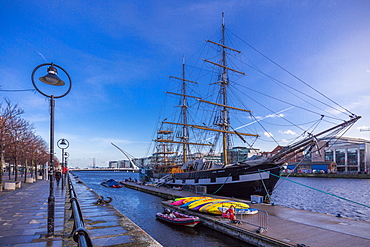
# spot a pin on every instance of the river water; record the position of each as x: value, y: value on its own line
x: 347, y: 197
x: 141, y: 209
x: 350, y: 197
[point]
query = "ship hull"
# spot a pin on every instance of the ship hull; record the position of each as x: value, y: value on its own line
x: 239, y: 182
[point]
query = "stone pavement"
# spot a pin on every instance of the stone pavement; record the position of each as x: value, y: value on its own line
x: 23, y: 216
x: 23, y: 219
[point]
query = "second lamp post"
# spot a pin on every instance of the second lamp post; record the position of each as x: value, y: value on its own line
x: 63, y: 144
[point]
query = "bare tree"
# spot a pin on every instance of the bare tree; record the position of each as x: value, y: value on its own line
x: 7, y: 113
x: 19, y: 143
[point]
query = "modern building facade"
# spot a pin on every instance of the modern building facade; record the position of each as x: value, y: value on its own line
x: 342, y: 155
x: 239, y: 154
x: 352, y: 155
x: 120, y: 164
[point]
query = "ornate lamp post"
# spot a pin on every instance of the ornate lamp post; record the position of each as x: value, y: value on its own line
x: 63, y: 144
x: 51, y: 79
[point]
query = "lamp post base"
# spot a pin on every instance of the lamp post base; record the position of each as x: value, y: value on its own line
x: 51, y: 203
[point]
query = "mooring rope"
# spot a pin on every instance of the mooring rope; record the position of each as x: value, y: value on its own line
x: 264, y: 186
x: 340, y: 197
x: 214, y: 193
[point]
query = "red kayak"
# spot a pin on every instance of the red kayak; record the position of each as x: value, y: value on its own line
x: 178, y: 218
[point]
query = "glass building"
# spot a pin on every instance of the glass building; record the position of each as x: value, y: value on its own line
x: 350, y: 154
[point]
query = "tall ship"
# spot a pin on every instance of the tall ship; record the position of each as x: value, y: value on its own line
x: 208, y: 139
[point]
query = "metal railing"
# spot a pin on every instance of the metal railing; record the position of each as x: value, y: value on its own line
x: 259, y: 220
x: 195, y: 188
x: 79, y: 233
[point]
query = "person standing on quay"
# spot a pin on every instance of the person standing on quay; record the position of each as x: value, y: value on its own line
x: 58, y: 175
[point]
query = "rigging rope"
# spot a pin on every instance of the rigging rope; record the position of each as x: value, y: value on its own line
x: 292, y: 74
x: 286, y: 102
x: 340, y: 197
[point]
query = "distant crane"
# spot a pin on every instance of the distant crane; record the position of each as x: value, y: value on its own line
x: 128, y: 157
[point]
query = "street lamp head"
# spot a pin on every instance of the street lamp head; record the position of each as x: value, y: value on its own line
x: 51, y: 78
x: 63, y: 143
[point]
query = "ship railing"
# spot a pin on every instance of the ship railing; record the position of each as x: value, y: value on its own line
x: 259, y: 220
x: 79, y: 232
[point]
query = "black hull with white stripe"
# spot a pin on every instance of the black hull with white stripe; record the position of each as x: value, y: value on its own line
x: 240, y: 182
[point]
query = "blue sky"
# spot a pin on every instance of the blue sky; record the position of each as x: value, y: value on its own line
x: 119, y: 55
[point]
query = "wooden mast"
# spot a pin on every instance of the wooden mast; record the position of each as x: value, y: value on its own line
x: 225, y: 111
x: 184, y: 107
x: 224, y: 82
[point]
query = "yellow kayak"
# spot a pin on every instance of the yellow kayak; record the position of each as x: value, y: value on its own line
x: 214, y: 209
x: 202, y: 202
x: 204, y: 209
x: 189, y: 199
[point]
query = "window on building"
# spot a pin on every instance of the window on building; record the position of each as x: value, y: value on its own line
x: 362, y: 160
x: 329, y: 156
x: 352, y: 157
x: 340, y: 157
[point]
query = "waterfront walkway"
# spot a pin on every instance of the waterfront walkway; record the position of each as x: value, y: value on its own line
x: 23, y: 219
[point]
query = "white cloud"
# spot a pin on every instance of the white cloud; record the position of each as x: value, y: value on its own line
x: 363, y: 128
x: 275, y: 115
x: 288, y: 132
x: 268, y: 134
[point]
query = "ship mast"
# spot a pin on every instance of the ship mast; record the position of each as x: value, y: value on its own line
x: 225, y: 112
x: 184, y: 136
x: 224, y: 122
x: 184, y: 107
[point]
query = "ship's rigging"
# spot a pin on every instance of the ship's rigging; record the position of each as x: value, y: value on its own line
x: 180, y: 141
